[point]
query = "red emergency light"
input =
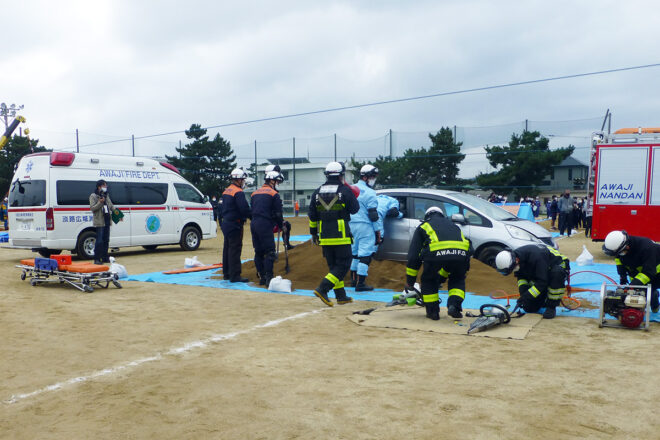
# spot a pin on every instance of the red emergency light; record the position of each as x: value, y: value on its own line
x: 170, y: 167
x: 61, y: 159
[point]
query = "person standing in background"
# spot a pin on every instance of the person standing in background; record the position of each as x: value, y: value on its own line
x: 565, y: 208
x: 235, y: 212
x: 4, y: 212
x: 296, y: 207
x: 554, y: 211
x: 102, y: 207
x: 588, y: 215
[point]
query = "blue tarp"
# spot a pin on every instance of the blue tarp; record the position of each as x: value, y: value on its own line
x: 472, y: 301
x: 4, y: 237
x: 298, y: 238
x: 524, y: 210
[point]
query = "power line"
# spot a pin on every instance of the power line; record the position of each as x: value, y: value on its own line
x: 393, y: 101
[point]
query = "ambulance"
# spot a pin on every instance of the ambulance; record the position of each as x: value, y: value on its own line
x: 624, y: 180
x: 49, y: 204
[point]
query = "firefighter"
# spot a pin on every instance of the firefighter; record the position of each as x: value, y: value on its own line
x: 266, y: 214
x: 329, y: 213
x: 637, y: 258
x: 286, y: 228
x: 364, y: 226
x: 235, y: 212
x: 440, y: 245
x: 541, y: 271
x: 388, y: 207
x: 4, y: 212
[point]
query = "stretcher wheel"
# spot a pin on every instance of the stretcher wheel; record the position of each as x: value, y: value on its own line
x: 33, y: 283
x: 88, y: 289
x: 23, y: 276
x: 117, y: 284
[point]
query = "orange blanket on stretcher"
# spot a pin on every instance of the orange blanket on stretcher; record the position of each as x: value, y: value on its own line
x: 81, y: 267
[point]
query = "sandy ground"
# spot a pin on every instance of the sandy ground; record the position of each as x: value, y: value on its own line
x: 317, y: 376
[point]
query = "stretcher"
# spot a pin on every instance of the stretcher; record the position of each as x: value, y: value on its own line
x: 83, y: 276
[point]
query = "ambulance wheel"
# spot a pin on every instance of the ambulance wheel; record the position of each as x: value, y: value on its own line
x: 190, y: 238
x: 86, y: 244
x: 150, y: 247
x: 46, y: 253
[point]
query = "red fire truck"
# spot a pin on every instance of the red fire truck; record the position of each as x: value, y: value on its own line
x: 624, y: 178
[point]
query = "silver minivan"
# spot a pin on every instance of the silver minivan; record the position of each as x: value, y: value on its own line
x: 489, y: 227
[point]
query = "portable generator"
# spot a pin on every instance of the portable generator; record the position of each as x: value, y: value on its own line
x: 630, y: 305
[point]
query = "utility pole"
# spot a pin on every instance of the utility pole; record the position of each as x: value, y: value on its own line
x: 293, y: 198
x: 335, y: 147
x: 390, y: 143
x: 77, y: 142
x: 133, y: 144
x: 256, y: 171
x: 9, y: 112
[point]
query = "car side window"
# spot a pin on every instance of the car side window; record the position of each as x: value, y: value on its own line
x: 187, y: 193
x: 403, y: 205
x: 420, y: 205
x: 473, y: 218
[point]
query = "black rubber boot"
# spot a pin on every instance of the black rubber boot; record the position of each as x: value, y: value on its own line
x: 655, y: 302
x: 341, y: 297
x: 322, y: 292
x: 240, y: 279
x: 361, y: 286
x: 267, y: 277
x: 550, y: 308
x: 454, y: 308
x: 353, y: 278
x: 433, y: 310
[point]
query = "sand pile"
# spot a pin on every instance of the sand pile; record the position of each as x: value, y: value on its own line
x: 308, y: 267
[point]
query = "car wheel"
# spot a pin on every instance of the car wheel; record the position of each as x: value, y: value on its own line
x: 46, y: 253
x: 150, y: 247
x: 488, y: 254
x: 190, y: 238
x: 86, y: 244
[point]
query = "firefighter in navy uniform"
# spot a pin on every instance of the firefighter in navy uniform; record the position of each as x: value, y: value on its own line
x: 440, y: 245
x: 637, y: 258
x: 541, y: 271
x: 266, y: 214
x: 286, y: 228
x: 235, y: 212
x: 329, y: 213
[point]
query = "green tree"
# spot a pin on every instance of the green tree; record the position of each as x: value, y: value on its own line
x: 205, y: 163
x: 435, y: 166
x: 16, y: 148
x: 523, y: 164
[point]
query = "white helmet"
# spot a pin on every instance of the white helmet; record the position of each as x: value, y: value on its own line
x: 274, y: 175
x: 335, y: 169
x: 505, y: 262
x: 270, y: 168
x: 368, y: 170
x: 433, y: 210
x: 615, y: 242
x: 238, y: 173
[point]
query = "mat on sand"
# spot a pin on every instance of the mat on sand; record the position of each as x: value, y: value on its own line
x: 414, y: 318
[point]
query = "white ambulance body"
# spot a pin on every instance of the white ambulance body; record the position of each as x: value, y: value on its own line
x: 49, y: 204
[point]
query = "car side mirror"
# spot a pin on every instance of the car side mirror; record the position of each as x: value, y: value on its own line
x: 458, y: 218
x: 206, y: 199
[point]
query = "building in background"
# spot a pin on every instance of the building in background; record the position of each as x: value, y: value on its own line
x: 307, y: 177
x: 571, y: 174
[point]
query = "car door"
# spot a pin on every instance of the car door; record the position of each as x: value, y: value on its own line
x: 398, y: 232
x: 152, y: 223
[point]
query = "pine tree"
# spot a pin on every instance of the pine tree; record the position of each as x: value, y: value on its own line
x: 205, y: 163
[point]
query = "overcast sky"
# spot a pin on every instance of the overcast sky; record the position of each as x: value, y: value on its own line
x: 116, y: 68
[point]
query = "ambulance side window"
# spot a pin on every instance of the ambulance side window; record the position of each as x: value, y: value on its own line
x: 187, y: 193
x: 77, y: 192
x: 147, y: 193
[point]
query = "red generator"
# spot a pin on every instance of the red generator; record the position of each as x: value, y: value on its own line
x: 624, y: 178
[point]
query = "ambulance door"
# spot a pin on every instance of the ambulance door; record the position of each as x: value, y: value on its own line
x: 192, y: 208
x: 152, y: 223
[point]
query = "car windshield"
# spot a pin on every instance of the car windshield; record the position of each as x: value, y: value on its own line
x: 487, y: 208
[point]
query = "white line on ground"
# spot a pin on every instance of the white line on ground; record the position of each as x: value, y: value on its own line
x: 189, y: 346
